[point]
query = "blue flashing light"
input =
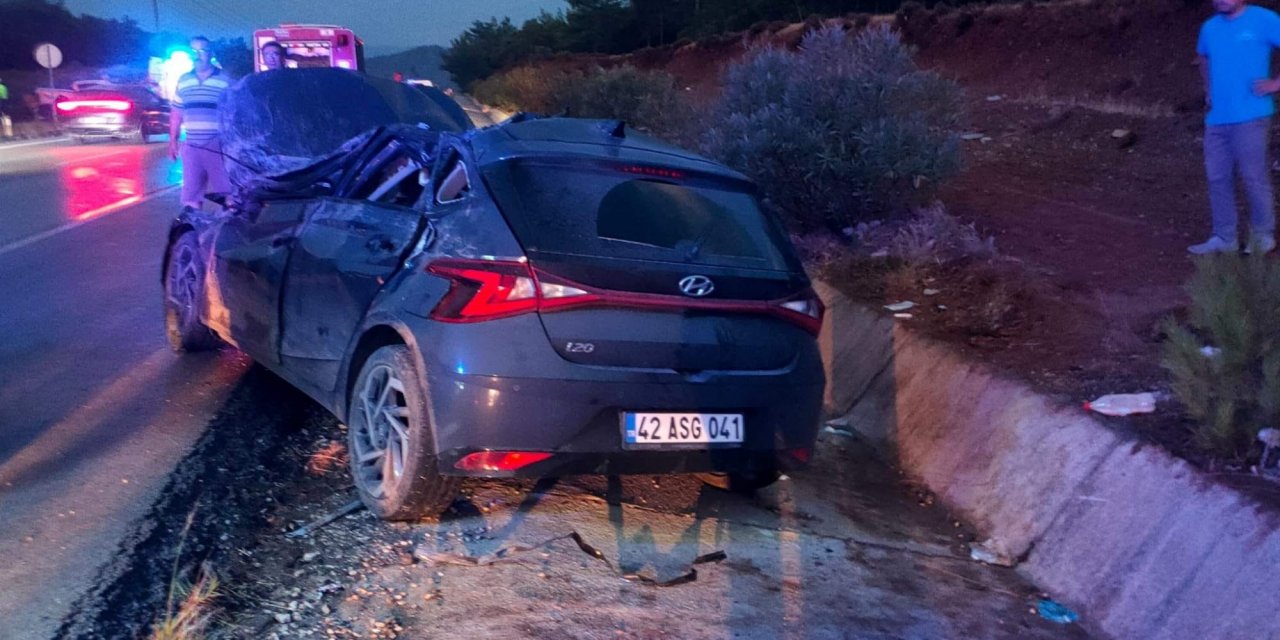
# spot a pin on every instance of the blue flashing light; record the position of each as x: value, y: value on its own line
x: 179, y: 62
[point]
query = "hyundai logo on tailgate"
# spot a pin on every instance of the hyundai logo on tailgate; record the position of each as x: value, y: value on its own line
x: 696, y: 286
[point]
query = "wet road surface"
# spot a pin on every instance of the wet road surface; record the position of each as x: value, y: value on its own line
x: 94, y: 409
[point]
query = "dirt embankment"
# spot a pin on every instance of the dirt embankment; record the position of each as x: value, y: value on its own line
x: 1086, y: 169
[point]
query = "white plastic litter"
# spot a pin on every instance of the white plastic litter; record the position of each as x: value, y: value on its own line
x: 991, y: 551
x: 1210, y: 352
x: 837, y: 431
x: 932, y: 292
x: 1123, y: 404
x: 900, y: 306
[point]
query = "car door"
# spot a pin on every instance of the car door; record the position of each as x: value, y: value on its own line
x: 250, y: 252
x: 347, y: 248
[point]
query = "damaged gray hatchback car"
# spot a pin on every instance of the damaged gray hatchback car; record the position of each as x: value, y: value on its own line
x: 540, y: 298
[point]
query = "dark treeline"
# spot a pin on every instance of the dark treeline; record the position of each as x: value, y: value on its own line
x: 118, y: 45
x: 85, y: 39
x: 619, y: 26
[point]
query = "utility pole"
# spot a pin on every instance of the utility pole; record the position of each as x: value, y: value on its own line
x: 155, y: 13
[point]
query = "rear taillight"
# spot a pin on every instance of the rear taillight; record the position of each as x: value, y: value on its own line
x: 109, y: 105
x: 499, y: 460
x: 806, y: 310
x: 490, y: 289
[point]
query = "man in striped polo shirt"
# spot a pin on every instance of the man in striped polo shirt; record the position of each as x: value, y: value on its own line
x: 195, y: 110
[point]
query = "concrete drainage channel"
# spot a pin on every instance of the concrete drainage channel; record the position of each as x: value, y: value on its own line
x: 1139, y: 542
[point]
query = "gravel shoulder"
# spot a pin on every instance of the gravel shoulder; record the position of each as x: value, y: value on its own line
x: 842, y: 549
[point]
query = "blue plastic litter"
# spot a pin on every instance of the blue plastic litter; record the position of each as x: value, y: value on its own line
x: 1055, y: 612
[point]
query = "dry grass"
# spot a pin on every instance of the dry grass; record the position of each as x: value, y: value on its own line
x: 1112, y: 106
x: 933, y: 235
x: 188, y: 610
x: 328, y: 459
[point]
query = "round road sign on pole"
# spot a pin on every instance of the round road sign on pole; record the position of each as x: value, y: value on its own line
x: 48, y: 55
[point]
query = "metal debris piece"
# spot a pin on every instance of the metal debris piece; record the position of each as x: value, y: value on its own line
x: 506, y: 554
x: 306, y: 530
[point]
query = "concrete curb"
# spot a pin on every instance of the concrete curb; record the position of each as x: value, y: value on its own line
x: 1140, y: 543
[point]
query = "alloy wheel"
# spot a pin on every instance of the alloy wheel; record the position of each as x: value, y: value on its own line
x: 381, y: 436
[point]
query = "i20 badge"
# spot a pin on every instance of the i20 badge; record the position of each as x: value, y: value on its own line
x: 696, y: 286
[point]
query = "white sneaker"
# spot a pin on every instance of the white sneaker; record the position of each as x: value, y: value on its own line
x: 1214, y: 244
x: 1261, y: 244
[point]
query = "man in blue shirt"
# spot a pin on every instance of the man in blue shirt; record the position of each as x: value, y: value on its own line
x: 1235, y: 61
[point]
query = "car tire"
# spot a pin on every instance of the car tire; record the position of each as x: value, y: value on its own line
x: 390, y: 440
x: 140, y: 135
x: 746, y: 483
x: 183, y: 291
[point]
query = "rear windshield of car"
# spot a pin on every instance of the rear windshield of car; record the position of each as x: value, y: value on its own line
x: 635, y: 212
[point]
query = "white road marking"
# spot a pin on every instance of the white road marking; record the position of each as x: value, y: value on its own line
x: 19, y: 145
x: 71, y: 225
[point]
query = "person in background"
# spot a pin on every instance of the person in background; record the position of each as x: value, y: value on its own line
x: 1235, y: 61
x: 6, y: 124
x: 273, y: 56
x: 195, y: 111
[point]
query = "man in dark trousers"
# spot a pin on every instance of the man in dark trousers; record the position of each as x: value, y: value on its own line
x: 1235, y: 60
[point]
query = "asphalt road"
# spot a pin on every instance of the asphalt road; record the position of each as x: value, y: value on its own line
x: 95, y: 411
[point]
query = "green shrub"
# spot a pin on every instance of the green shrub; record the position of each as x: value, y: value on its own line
x: 844, y: 130
x: 519, y: 89
x: 1234, y: 390
x: 645, y: 99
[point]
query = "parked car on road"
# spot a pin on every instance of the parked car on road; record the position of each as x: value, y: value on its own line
x: 125, y: 112
x: 541, y: 298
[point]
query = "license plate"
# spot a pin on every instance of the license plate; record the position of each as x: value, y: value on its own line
x: 93, y: 120
x: 682, y: 428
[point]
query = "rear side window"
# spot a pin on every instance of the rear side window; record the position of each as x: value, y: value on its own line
x: 609, y: 211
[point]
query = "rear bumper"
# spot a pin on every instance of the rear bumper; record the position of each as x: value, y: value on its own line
x: 575, y: 412
x: 641, y: 462
x: 103, y: 130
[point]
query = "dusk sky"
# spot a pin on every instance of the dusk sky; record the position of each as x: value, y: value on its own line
x: 380, y: 23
